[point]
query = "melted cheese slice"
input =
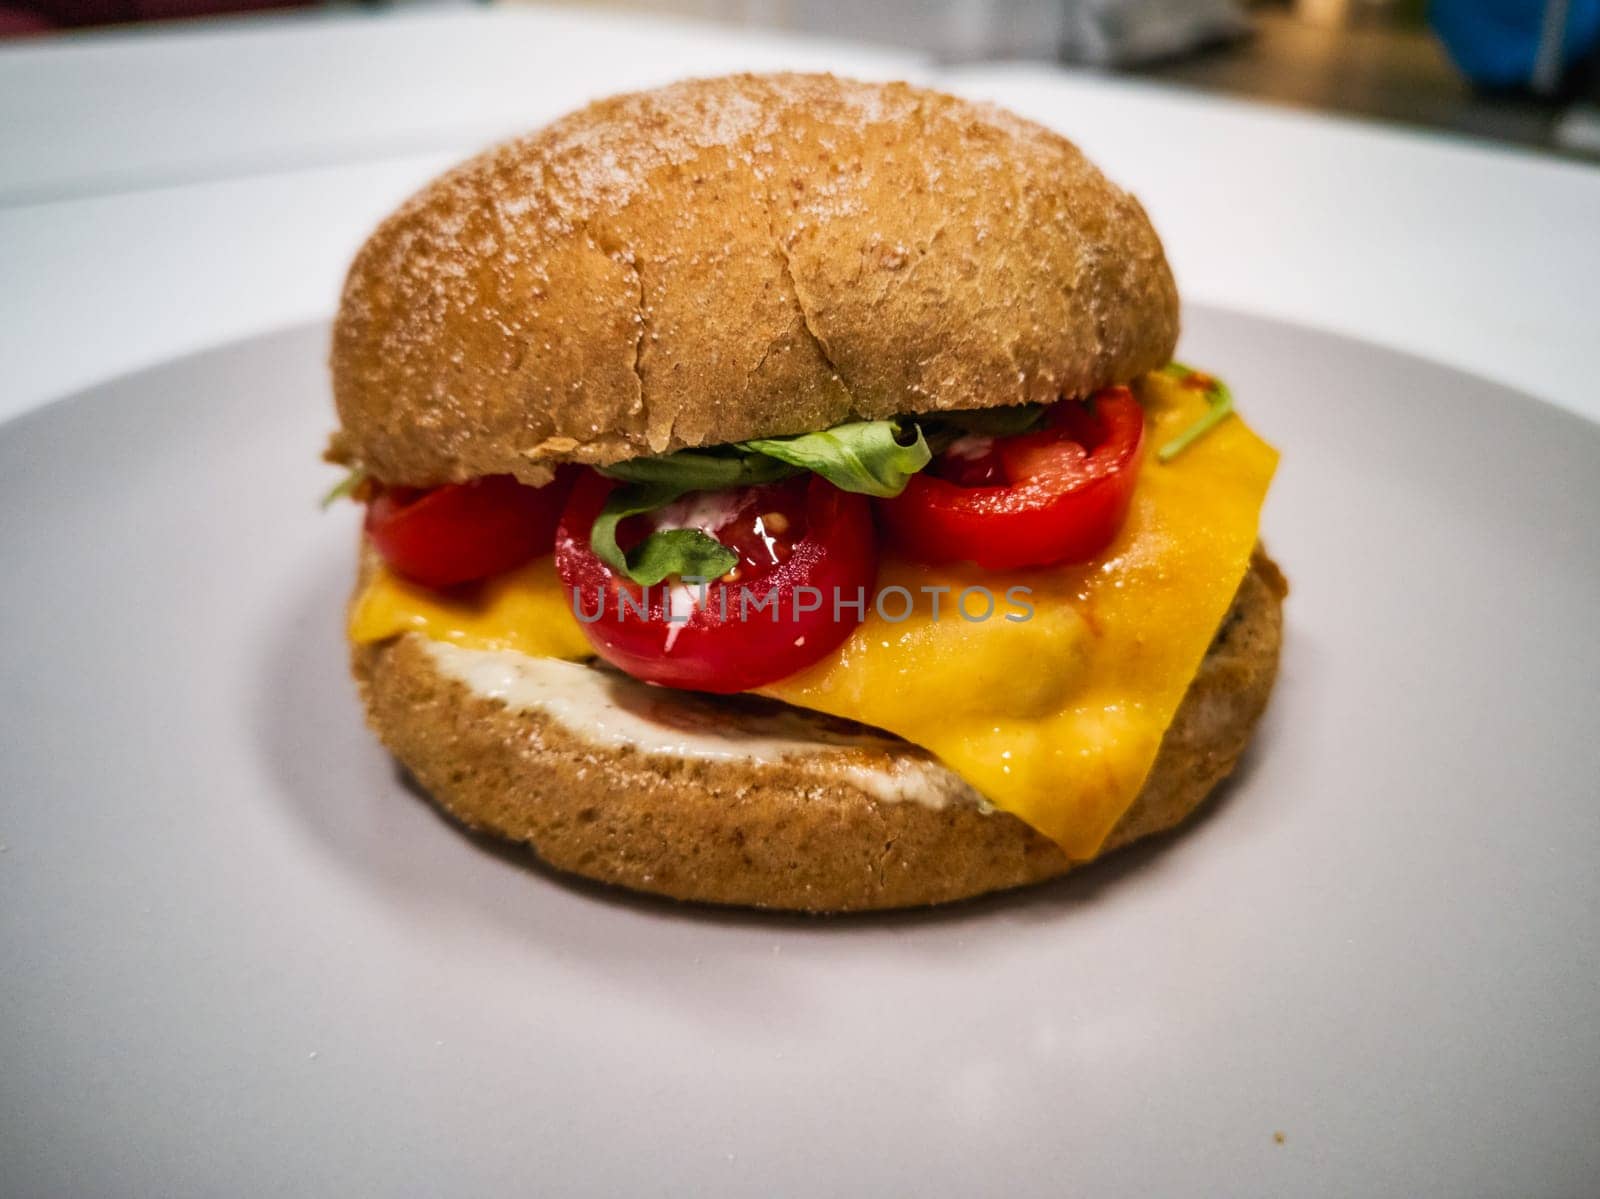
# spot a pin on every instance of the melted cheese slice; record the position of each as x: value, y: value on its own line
x: 524, y: 610
x: 1056, y: 718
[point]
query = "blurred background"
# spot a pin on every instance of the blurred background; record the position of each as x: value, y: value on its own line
x: 1525, y: 72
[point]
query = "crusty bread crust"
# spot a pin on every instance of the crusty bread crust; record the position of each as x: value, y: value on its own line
x: 732, y: 258
x: 792, y: 833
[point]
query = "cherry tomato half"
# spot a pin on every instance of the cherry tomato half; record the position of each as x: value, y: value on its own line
x: 1055, y: 495
x: 754, y: 625
x: 441, y: 536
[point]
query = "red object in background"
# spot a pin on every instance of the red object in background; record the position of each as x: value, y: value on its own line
x: 42, y: 16
x: 167, y: 10
x: 20, y: 22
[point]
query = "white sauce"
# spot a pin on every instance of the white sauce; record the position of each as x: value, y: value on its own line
x: 682, y: 600
x: 970, y: 445
x: 614, y: 711
x: 707, y: 511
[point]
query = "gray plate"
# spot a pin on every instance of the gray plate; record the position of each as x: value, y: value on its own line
x: 240, y: 957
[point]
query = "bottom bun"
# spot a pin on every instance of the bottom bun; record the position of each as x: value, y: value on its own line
x: 813, y: 830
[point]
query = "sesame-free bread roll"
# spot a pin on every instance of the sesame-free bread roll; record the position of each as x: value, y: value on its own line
x: 733, y: 258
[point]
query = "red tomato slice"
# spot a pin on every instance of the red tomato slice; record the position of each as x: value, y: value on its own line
x: 1036, y: 499
x: 801, y: 543
x: 461, y: 532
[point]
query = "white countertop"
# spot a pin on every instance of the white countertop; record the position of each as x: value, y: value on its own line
x: 165, y: 191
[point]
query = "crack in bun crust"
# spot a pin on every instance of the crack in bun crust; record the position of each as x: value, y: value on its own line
x: 722, y: 259
x: 782, y: 834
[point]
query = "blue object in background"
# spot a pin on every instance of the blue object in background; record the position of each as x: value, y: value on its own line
x: 1496, y: 43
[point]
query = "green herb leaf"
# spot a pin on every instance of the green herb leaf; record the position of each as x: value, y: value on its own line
x: 655, y: 482
x: 1220, y: 400
x: 344, y: 487
x: 700, y: 470
x: 867, y: 457
x: 944, y: 429
x: 666, y: 551
x: 688, y: 553
x: 996, y: 422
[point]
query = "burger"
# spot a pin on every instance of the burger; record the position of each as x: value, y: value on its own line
x: 779, y: 492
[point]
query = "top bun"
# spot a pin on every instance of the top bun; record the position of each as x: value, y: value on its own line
x: 730, y: 258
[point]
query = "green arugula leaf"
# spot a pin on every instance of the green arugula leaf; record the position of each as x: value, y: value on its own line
x: 344, y: 487
x: 995, y: 422
x: 943, y: 429
x: 867, y: 457
x: 700, y: 470
x: 1220, y: 400
x: 687, y: 553
x: 666, y: 551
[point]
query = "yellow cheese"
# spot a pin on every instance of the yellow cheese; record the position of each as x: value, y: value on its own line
x: 524, y: 610
x: 1056, y: 718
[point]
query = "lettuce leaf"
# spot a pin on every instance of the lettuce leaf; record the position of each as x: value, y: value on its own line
x: 700, y: 470
x: 944, y: 429
x: 874, y: 458
x: 687, y: 552
x: 868, y: 457
x: 995, y: 422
